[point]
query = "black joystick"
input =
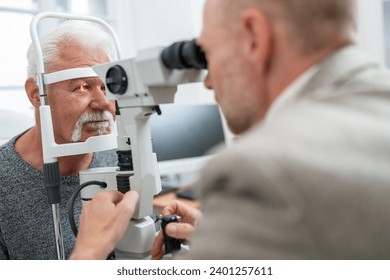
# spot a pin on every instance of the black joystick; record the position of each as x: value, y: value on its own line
x: 172, y: 245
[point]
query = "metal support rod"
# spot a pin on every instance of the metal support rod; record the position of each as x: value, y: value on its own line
x: 57, y: 231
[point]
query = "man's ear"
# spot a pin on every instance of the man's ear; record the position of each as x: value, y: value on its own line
x: 32, y: 91
x: 258, y: 32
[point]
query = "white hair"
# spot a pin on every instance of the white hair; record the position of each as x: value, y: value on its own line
x: 86, y: 34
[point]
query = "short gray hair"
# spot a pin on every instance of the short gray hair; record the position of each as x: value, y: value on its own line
x: 312, y: 24
x: 86, y: 34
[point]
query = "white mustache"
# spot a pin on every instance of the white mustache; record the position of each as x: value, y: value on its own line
x: 92, y: 117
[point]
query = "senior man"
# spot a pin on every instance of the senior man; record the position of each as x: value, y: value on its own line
x: 79, y: 109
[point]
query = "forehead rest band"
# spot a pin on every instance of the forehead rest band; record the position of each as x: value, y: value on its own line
x: 68, y: 74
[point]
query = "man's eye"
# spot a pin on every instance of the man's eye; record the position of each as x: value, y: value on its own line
x: 81, y: 88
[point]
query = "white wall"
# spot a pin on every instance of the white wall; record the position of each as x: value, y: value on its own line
x: 146, y: 23
x: 370, y: 29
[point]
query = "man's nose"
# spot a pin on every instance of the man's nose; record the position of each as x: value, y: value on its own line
x: 99, y: 100
x: 207, y: 81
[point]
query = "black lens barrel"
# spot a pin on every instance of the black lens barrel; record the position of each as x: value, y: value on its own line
x: 184, y: 55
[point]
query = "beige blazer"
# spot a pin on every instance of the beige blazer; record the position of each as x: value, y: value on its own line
x: 310, y: 182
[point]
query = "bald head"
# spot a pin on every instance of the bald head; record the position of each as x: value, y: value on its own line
x: 256, y: 48
x: 311, y: 24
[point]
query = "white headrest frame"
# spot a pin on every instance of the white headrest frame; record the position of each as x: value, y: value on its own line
x: 68, y: 74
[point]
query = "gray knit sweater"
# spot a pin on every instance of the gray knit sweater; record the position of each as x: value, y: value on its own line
x: 26, y: 223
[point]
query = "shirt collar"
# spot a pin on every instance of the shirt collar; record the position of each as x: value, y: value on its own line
x: 290, y: 92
